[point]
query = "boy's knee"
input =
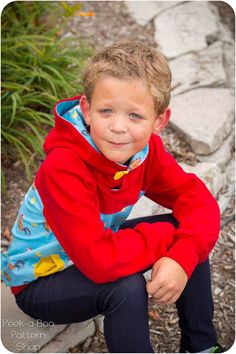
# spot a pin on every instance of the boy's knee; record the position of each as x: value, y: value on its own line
x: 125, y: 290
x: 133, y: 284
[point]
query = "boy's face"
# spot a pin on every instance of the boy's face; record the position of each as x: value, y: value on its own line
x: 121, y: 117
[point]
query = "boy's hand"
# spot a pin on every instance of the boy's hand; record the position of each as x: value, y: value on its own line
x: 167, y: 282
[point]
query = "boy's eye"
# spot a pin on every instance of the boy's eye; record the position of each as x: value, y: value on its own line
x: 135, y: 115
x: 105, y: 111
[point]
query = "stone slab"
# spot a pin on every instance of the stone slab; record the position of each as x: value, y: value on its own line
x: 20, y: 332
x: 73, y: 335
x: 146, y: 207
x: 229, y: 189
x: 229, y: 60
x: 99, y: 323
x: 209, y: 173
x: 185, y: 28
x: 144, y: 11
x: 204, y: 116
x: 194, y: 70
x: 222, y: 155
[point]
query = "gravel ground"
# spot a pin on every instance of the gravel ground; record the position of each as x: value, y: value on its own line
x: 112, y: 22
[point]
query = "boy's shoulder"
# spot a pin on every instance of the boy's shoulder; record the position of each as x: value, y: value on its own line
x: 61, y: 159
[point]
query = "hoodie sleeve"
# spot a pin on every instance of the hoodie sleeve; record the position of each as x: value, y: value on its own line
x: 193, y: 206
x: 71, y: 208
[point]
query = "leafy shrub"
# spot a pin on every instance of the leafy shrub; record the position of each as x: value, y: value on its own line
x: 38, y: 68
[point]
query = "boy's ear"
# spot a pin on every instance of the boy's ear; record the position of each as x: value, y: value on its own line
x: 162, y: 120
x: 85, y: 109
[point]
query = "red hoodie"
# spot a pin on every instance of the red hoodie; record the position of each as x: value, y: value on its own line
x: 76, y: 185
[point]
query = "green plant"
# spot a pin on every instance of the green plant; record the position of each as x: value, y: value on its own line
x: 38, y: 68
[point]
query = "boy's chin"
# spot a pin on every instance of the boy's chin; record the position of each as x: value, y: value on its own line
x: 118, y: 159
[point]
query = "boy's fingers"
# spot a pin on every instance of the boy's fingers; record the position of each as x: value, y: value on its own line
x: 151, y: 287
x: 160, y: 293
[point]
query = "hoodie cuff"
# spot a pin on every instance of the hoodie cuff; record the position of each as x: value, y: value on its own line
x: 185, y: 253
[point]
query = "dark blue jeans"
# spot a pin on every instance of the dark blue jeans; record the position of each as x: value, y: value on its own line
x: 69, y: 297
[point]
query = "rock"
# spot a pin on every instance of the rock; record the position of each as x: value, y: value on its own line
x: 158, y: 209
x: 224, y: 200
x: 230, y: 171
x: 86, y: 344
x: 74, y: 334
x: 140, y: 12
x: 229, y: 57
x: 99, y: 323
x: 228, y: 42
x: 193, y: 70
x: 229, y: 189
x: 204, y: 116
x: 222, y: 155
x: 209, y: 173
x: 143, y: 12
x: 164, y: 5
x: 20, y: 332
x: 144, y: 207
x: 186, y: 28
x: 147, y: 274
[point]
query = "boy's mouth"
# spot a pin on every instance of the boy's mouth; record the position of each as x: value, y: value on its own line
x: 117, y: 144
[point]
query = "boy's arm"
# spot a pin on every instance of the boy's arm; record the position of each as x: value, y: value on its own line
x: 193, y: 206
x: 71, y: 208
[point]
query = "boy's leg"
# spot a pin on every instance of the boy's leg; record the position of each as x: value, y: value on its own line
x: 195, y: 305
x: 195, y: 309
x: 69, y: 297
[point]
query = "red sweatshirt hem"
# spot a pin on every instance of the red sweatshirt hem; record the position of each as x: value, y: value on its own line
x: 17, y: 289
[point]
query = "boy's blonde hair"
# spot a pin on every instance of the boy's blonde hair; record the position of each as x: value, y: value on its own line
x: 131, y: 60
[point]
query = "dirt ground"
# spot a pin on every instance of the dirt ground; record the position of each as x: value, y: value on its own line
x: 165, y: 335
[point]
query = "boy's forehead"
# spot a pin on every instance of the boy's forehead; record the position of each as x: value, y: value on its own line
x: 109, y: 87
x: 123, y: 95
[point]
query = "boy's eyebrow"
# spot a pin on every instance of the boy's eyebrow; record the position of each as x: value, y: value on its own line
x: 105, y: 104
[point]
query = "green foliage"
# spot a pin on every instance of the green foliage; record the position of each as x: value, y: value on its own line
x: 38, y: 68
x: 70, y: 10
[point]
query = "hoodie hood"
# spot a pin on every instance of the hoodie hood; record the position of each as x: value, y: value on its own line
x: 71, y: 132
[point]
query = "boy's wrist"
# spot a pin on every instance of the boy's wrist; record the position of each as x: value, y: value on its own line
x: 185, y: 255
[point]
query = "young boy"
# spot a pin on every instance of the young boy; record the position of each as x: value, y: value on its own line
x: 73, y: 256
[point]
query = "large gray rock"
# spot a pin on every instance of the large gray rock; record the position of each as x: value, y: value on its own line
x: 143, y: 11
x: 193, y: 70
x: 186, y: 28
x: 229, y: 59
x: 20, y: 332
x: 229, y: 189
x: 204, y: 116
x: 209, y: 173
x: 221, y: 156
x: 146, y: 207
x: 99, y: 323
x: 73, y: 335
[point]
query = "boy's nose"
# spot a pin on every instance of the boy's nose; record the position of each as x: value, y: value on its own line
x: 118, y: 124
